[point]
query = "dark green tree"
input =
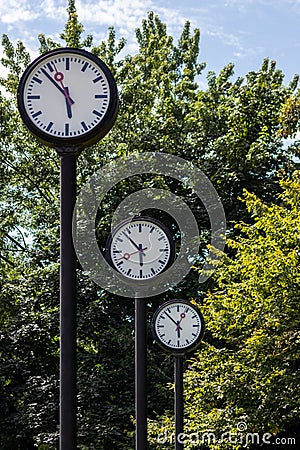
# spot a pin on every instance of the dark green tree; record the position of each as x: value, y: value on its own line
x: 233, y: 131
x: 247, y: 370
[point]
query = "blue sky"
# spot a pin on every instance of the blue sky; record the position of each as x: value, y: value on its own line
x: 240, y: 31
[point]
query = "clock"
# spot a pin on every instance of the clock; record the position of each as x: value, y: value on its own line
x: 68, y: 97
x: 140, y: 248
x: 178, y: 326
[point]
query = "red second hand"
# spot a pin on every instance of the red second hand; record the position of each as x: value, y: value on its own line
x: 182, y: 316
x: 59, y: 76
x: 127, y: 255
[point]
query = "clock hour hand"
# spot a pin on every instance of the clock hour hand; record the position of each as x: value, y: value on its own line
x: 141, y: 255
x: 178, y: 327
x: 68, y: 103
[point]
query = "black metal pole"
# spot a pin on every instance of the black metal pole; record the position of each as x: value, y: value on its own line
x: 68, y: 392
x: 141, y: 372
x: 178, y: 397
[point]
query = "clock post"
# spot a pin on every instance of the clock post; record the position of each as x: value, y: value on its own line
x: 140, y: 372
x: 68, y: 368
x: 178, y: 327
x: 68, y: 100
x: 129, y: 252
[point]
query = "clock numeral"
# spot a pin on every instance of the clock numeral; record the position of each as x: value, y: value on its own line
x: 100, y: 95
x: 152, y: 270
x: 128, y: 272
x: 152, y: 229
x: 162, y: 335
x: 140, y: 227
x: 161, y: 238
x: 33, y: 97
x: 187, y: 341
x: 178, y: 343
x: 67, y: 63
x: 196, y: 326
x: 160, y: 261
x: 141, y: 273
x: 67, y: 126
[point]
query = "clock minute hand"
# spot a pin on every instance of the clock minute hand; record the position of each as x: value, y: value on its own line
x: 67, y: 97
x: 176, y: 323
x: 134, y: 244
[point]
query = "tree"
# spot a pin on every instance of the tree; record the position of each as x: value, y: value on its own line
x: 247, y: 371
x: 231, y: 131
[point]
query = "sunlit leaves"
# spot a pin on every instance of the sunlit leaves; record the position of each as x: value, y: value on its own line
x: 249, y: 369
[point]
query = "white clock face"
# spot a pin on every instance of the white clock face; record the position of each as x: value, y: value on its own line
x: 178, y: 326
x: 140, y: 249
x: 66, y: 95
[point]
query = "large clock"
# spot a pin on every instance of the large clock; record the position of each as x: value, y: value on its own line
x: 178, y: 326
x: 68, y: 97
x: 140, y: 248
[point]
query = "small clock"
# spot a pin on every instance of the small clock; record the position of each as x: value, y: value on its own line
x: 68, y: 97
x: 178, y: 326
x: 140, y: 248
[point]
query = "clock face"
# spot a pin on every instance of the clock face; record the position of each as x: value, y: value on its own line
x: 140, y: 248
x: 68, y: 97
x: 178, y: 326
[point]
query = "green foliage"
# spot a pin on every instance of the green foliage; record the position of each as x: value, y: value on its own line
x: 247, y: 371
x: 233, y: 131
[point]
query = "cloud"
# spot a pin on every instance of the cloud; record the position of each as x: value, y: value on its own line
x: 14, y: 11
x: 126, y: 15
x: 243, y: 6
x: 53, y: 9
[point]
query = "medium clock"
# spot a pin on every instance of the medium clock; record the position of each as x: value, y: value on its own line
x: 140, y: 248
x: 178, y: 326
x: 68, y: 97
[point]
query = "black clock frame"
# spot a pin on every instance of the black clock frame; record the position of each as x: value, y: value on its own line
x: 164, y: 346
x: 136, y: 219
x: 88, y: 138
